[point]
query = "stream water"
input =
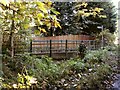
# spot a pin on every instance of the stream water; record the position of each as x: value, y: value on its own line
x: 116, y: 84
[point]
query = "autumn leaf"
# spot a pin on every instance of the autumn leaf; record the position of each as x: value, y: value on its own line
x: 48, y: 3
x: 80, y: 12
x: 102, y: 16
x: 40, y: 15
x: 42, y: 29
x: 84, y: 4
x: 57, y: 24
x: 26, y: 26
x: 54, y: 11
x: 41, y: 6
x: 98, y: 9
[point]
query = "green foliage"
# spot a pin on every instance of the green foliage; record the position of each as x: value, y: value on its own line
x: 43, y: 69
x: 83, y: 18
x: 96, y: 77
x: 95, y: 56
x: 23, y: 81
x: 19, y: 17
x: 80, y: 67
x: 94, y: 14
x: 28, y: 14
x: 92, y: 71
x: 107, y: 37
x: 106, y: 55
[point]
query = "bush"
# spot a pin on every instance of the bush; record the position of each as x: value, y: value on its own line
x: 107, y: 37
x: 82, y: 50
x: 103, y: 55
x: 90, y: 72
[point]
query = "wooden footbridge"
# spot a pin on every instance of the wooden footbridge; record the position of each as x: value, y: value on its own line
x: 60, y: 48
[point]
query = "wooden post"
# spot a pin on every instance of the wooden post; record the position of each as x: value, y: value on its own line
x: 94, y: 44
x: 50, y: 48
x: 47, y: 46
x: 61, y: 45
x: 30, y: 47
x: 89, y: 45
x: 76, y: 42
x: 66, y: 48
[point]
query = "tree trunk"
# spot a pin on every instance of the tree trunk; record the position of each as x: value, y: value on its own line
x: 11, y: 48
x: 11, y: 38
x: 1, y: 36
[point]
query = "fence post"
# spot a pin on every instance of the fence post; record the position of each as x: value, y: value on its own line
x: 50, y: 48
x: 66, y: 48
x: 61, y: 44
x: 95, y: 45
x: 30, y: 47
x: 47, y: 46
x: 89, y: 45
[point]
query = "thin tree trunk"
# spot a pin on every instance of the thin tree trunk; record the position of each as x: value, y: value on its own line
x: 11, y: 38
x: 1, y: 38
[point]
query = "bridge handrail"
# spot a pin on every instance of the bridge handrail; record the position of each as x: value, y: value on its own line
x: 60, y: 40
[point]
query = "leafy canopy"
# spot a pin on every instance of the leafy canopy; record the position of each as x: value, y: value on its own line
x: 26, y: 15
x: 79, y: 17
x: 82, y: 10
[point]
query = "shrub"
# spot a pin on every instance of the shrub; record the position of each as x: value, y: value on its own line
x: 107, y: 36
x: 82, y: 50
x: 89, y: 72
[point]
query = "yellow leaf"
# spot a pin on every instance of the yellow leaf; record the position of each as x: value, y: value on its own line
x: 87, y: 14
x: 41, y: 6
x: 94, y: 14
x: 103, y: 16
x: 48, y: 2
x: 57, y: 24
x: 54, y: 17
x: 54, y: 11
x: 40, y: 15
x: 81, y: 12
x: 98, y: 9
x: 43, y: 30
x: 39, y: 28
x: 101, y: 9
x: 26, y: 26
x: 48, y: 24
x: 40, y: 22
x: 84, y: 4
